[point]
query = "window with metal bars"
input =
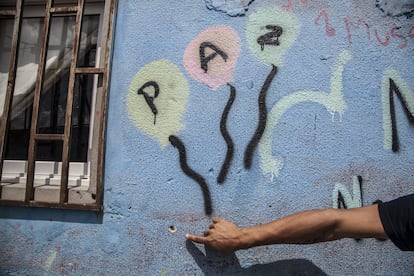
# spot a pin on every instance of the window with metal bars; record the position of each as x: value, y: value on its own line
x: 54, y: 72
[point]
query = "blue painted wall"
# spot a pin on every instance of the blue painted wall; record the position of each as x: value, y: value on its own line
x: 150, y: 203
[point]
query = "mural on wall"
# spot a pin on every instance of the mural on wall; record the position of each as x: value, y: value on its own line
x: 157, y: 99
x: 333, y: 101
x: 394, y: 8
x: 176, y: 142
x: 395, y: 35
x: 269, y: 34
x: 211, y: 58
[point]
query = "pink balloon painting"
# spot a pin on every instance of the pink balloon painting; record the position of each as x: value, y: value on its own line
x: 211, y: 57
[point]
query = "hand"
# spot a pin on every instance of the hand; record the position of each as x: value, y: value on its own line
x: 222, y: 235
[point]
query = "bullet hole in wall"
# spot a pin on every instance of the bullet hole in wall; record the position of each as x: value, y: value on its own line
x: 172, y: 229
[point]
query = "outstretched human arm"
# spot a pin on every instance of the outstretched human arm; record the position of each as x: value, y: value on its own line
x: 301, y: 228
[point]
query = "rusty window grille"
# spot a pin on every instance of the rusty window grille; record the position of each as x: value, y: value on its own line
x: 54, y: 76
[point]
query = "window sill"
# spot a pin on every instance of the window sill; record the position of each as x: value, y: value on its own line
x: 47, y: 193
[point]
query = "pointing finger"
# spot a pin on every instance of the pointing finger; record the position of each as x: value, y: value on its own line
x: 197, y: 239
x: 216, y: 220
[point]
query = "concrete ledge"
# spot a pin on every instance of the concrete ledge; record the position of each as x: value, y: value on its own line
x: 13, y: 191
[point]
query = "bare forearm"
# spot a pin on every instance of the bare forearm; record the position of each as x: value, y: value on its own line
x: 317, y: 226
x: 301, y: 228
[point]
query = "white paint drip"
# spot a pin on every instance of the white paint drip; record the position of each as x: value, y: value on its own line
x: 333, y: 101
x: 50, y: 260
x: 351, y: 201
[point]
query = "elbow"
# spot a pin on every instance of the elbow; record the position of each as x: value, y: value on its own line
x: 333, y: 220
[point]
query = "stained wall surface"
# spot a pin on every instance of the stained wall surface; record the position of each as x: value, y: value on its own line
x: 246, y: 110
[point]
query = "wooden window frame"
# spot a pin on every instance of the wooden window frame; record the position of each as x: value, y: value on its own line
x: 102, y: 70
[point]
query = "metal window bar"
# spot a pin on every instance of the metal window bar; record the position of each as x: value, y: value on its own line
x: 12, y: 75
x: 109, y: 17
x: 69, y: 102
x: 34, y: 137
x: 110, y: 7
x: 39, y: 85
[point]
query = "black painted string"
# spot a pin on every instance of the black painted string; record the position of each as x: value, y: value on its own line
x: 248, y: 155
x: 395, y: 142
x: 176, y: 142
x: 224, y: 132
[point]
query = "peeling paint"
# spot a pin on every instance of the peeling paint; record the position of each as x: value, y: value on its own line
x: 396, y: 7
x: 230, y: 7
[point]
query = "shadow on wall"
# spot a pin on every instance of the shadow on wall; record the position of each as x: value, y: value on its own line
x: 217, y: 263
x: 30, y: 213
